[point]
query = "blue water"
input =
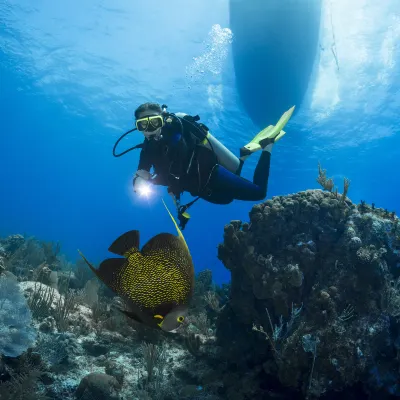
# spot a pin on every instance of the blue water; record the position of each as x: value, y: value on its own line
x: 71, y: 75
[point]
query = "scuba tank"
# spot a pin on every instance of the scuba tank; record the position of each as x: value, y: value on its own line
x: 225, y: 157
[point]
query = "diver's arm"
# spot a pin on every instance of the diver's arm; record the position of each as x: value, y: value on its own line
x: 143, y: 171
x: 145, y: 158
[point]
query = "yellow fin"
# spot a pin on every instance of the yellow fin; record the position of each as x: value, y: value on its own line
x: 176, y: 225
x: 272, y: 131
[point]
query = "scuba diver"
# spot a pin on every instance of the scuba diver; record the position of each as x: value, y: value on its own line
x: 185, y: 157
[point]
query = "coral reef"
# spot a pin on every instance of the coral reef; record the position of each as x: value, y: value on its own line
x: 84, y: 347
x: 312, y: 310
x: 315, y: 300
x: 16, y: 333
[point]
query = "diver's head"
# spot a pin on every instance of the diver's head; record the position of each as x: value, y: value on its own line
x: 149, y: 120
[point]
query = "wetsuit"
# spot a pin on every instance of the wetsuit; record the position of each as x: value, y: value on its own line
x: 183, y: 164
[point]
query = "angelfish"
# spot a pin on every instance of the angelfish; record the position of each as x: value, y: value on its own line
x: 156, y: 282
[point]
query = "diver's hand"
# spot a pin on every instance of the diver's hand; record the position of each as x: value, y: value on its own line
x: 141, y: 178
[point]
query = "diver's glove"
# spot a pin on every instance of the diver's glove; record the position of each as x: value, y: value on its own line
x: 141, y: 178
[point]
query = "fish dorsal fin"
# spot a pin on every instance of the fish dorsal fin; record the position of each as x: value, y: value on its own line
x: 125, y: 243
x: 180, y: 235
x: 161, y: 241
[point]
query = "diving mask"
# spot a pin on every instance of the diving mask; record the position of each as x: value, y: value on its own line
x: 149, y: 124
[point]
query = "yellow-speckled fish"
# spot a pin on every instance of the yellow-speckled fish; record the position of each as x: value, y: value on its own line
x: 156, y: 282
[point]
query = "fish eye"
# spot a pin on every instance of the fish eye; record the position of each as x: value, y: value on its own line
x: 180, y: 319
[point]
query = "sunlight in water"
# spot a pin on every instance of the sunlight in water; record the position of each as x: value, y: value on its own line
x: 358, y: 42
x: 357, y: 60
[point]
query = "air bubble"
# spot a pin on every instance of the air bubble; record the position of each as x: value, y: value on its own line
x: 215, y: 54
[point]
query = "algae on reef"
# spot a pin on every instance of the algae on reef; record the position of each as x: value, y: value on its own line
x: 319, y: 279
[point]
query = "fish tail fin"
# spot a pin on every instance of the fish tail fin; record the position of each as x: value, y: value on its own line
x: 176, y: 225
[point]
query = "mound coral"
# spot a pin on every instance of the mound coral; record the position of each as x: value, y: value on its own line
x: 318, y: 279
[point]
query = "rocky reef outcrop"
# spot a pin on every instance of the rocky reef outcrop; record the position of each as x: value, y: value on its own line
x: 314, y: 306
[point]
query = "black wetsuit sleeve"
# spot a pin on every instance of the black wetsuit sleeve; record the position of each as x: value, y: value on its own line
x: 145, y: 159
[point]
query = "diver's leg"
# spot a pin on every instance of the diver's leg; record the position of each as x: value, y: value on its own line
x: 261, y: 173
x: 234, y: 186
x: 224, y: 181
